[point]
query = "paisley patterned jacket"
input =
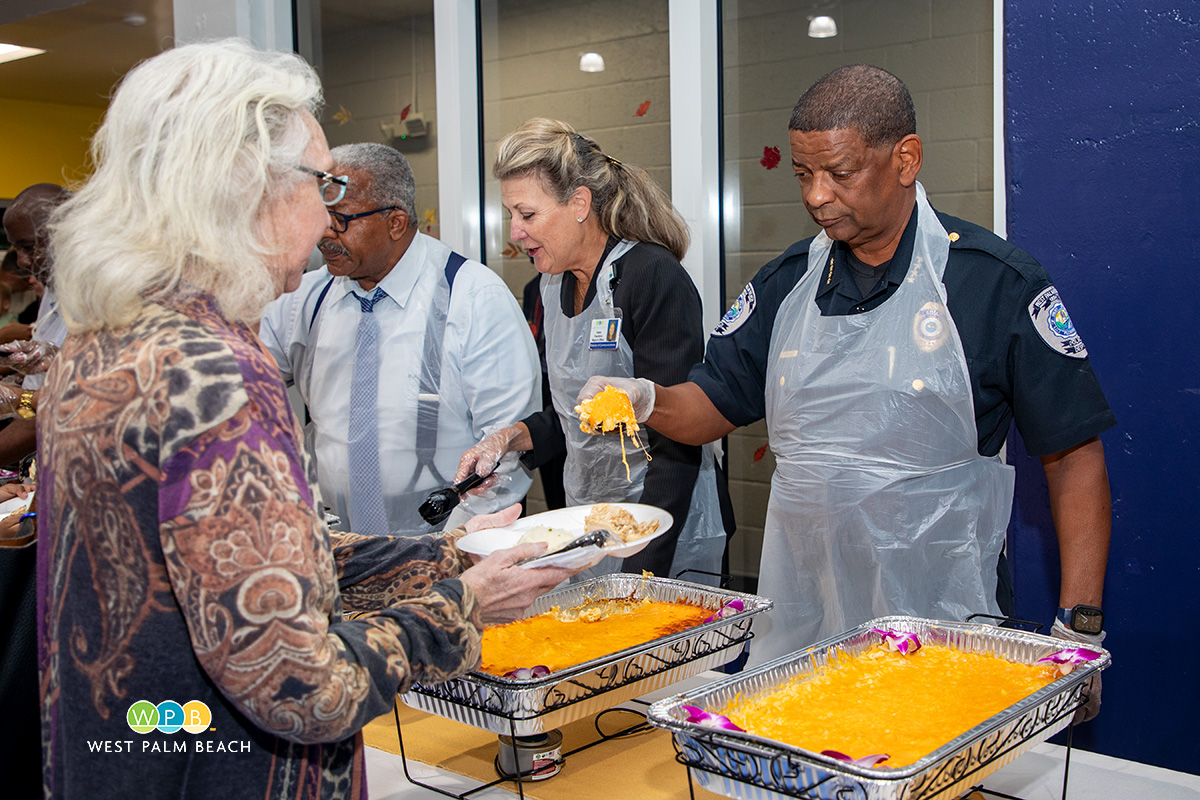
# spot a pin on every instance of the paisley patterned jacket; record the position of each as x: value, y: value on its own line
x: 181, y: 563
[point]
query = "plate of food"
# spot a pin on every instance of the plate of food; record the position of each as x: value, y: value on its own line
x: 16, y: 505
x: 635, y: 525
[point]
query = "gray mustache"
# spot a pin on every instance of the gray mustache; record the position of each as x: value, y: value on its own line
x: 332, y: 248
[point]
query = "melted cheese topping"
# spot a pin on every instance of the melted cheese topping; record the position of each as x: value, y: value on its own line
x: 608, y: 411
x: 883, y: 702
x: 560, y: 639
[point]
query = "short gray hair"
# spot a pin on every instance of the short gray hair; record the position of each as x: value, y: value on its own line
x: 858, y: 97
x: 392, y: 182
x: 195, y: 144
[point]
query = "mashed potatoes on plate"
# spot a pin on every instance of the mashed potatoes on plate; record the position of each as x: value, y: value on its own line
x: 553, y: 537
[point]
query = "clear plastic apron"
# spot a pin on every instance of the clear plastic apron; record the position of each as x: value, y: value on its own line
x: 408, y: 474
x: 593, y: 471
x: 880, y: 503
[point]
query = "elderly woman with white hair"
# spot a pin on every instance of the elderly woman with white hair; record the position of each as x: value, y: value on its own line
x: 186, y: 578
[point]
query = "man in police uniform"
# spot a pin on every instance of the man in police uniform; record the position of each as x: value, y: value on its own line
x: 404, y: 352
x: 889, y: 355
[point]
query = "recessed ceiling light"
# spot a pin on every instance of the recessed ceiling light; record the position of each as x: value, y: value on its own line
x: 822, y: 27
x: 11, y: 52
x: 591, y: 62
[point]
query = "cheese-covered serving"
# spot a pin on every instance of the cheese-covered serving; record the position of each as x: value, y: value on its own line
x: 881, y: 701
x: 563, y: 638
x: 608, y: 411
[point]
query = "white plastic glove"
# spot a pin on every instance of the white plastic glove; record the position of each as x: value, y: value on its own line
x: 1092, y: 707
x: 484, y: 457
x: 640, y: 391
x: 10, y: 398
x: 28, y: 357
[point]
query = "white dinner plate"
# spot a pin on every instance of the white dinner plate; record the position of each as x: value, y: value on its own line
x: 485, y: 542
x: 16, y: 504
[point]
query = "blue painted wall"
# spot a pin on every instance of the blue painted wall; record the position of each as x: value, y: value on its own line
x: 1103, y: 160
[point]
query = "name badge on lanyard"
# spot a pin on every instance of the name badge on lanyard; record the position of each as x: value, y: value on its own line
x: 604, y: 334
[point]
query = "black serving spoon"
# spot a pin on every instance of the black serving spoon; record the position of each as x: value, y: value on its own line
x: 439, y: 504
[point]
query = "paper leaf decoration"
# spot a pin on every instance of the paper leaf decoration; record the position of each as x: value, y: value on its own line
x: 510, y: 251
x: 642, y: 109
x: 343, y: 115
x: 760, y: 452
x: 430, y: 219
x: 770, y: 158
x: 404, y: 113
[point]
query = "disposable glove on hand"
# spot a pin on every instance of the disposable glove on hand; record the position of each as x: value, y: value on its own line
x: 484, y: 457
x: 639, y: 390
x: 10, y: 398
x: 28, y: 357
x: 1094, y: 640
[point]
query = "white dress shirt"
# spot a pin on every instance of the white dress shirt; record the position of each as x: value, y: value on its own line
x: 490, y: 376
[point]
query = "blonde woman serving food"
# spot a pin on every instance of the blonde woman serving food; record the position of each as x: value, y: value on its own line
x: 608, y: 243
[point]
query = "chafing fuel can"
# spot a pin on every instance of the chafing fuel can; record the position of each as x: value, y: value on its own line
x: 536, y: 757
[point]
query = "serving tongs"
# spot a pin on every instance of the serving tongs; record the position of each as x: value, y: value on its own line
x: 439, y: 504
x: 599, y: 538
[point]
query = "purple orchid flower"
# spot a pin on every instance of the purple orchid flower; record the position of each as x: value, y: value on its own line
x: 526, y: 673
x: 1066, y: 660
x: 699, y: 716
x: 903, y: 643
x: 730, y: 608
x: 865, y: 761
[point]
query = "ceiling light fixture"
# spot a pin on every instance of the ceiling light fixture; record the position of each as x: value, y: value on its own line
x: 822, y: 27
x: 591, y: 62
x: 12, y: 52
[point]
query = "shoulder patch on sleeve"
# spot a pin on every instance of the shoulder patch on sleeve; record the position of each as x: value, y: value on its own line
x: 738, y: 313
x: 1052, y: 322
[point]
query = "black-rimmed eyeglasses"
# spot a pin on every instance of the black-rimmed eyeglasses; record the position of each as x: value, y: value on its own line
x: 339, y: 221
x: 332, y: 187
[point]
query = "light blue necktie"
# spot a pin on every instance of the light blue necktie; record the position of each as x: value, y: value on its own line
x: 366, y: 488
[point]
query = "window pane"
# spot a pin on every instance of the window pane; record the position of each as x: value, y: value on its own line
x: 532, y: 51
x: 942, y: 50
x: 377, y: 66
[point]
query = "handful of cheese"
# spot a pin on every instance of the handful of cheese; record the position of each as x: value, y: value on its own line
x: 608, y: 411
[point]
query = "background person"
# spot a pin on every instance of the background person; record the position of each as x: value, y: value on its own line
x: 181, y: 548
x: 21, y: 286
x: 397, y: 393
x: 25, y: 225
x: 889, y: 356
x: 607, y: 242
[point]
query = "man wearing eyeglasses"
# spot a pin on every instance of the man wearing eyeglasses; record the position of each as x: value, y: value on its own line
x: 403, y: 352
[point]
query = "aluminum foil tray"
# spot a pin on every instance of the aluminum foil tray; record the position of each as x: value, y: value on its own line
x: 741, y: 765
x: 526, y: 707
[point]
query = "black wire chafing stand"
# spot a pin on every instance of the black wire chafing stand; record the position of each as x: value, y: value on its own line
x: 584, y: 687
x: 784, y: 775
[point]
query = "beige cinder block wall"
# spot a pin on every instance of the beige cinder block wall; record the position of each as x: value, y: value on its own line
x: 940, y: 48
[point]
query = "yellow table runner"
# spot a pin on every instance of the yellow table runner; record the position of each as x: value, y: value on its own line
x: 637, y: 767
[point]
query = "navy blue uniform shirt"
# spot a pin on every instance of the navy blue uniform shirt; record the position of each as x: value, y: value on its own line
x: 1016, y: 372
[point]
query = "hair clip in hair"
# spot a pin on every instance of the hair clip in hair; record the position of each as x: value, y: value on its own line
x: 614, y: 162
